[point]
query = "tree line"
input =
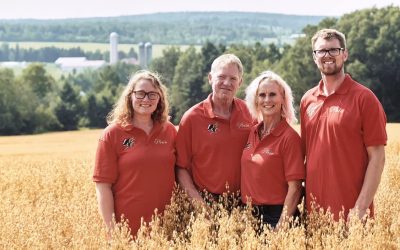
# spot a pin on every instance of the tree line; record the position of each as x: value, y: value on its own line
x: 160, y: 28
x: 34, y: 102
x: 50, y: 54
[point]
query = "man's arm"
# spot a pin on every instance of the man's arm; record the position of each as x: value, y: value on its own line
x: 376, y: 161
x: 186, y: 182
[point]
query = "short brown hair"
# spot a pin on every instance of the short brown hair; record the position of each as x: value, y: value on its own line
x: 329, y: 34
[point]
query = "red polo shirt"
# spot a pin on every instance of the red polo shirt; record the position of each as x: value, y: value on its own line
x: 210, y: 147
x: 336, y: 130
x: 140, y: 168
x: 269, y: 164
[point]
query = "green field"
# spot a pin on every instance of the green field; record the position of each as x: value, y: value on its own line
x: 103, y: 47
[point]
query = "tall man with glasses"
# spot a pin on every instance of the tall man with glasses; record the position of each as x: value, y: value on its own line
x: 343, y: 130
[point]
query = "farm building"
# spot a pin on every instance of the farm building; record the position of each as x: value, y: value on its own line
x: 13, y: 64
x: 78, y: 63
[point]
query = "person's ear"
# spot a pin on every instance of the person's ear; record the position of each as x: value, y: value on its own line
x: 209, y: 78
x: 345, y: 55
x: 314, y: 57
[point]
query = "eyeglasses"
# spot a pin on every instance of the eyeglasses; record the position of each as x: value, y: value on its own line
x: 331, y: 52
x: 140, y: 94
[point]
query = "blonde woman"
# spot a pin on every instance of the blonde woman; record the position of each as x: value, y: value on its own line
x: 273, y: 160
x: 134, y: 168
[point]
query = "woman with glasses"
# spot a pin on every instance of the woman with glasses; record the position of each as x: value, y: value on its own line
x: 134, y: 167
x: 273, y: 160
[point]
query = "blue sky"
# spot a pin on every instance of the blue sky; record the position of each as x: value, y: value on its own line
x: 55, y: 9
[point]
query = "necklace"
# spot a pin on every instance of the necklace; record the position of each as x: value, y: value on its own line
x: 264, y: 132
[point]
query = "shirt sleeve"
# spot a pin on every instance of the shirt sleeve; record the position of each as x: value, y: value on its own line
x: 105, y: 168
x: 293, y: 158
x: 302, y: 124
x: 184, y: 143
x: 373, y: 120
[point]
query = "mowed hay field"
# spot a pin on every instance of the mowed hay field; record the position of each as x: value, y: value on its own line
x: 48, y: 201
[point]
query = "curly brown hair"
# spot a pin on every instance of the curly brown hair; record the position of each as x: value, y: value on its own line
x: 123, y: 112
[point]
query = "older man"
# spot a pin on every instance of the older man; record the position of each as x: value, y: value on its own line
x: 213, y: 133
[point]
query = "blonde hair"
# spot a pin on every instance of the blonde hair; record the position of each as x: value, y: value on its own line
x: 252, y: 90
x: 123, y: 112
x: 227, y: 59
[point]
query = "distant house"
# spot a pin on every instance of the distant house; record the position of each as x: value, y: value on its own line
x: 78, y: 63
x: 131, y: 60
x: 295, y: 36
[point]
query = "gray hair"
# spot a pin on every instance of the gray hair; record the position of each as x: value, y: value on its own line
x: 227, y: 59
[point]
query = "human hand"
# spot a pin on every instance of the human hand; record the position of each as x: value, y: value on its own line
x: 355, y: 212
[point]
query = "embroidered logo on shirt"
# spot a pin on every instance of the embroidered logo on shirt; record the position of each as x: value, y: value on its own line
x: 268, y: 151
x: 159, y: 141
x: 335, y: 109
x: 243, y: 125
x: 128, y: 142
x: 312, y: 109
x: 212, y: 128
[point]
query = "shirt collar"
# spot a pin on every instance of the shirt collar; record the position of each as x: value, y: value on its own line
x: 129, y: 127
x: 343, y: 88
x: 208, y: 110
x: 278, y: 130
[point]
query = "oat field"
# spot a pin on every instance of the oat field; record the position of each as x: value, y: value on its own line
x: 48, y: 202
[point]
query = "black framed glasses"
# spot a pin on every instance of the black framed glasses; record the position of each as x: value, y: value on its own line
x: 140, y: 94
x: 331, y: 52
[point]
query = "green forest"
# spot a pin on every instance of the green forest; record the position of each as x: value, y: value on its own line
x: 34, y: 101
x: 177, y: 28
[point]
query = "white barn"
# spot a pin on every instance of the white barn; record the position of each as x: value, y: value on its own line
x: 78, y: 63
x: 13, y: 64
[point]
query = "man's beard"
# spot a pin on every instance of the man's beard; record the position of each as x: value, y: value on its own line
x: 331, y: 71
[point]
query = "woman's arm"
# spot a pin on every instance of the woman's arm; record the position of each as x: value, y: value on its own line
x: 292, y: 199
x: 105, y: 200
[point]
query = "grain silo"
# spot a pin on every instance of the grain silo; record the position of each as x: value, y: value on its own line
x: 148, y: 48
x: 142, y: 55
x: 113, y: 48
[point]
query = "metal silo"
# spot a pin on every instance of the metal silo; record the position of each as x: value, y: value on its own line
x: 142, y: 55
x: 148, y: 47
x: 113, y: 48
